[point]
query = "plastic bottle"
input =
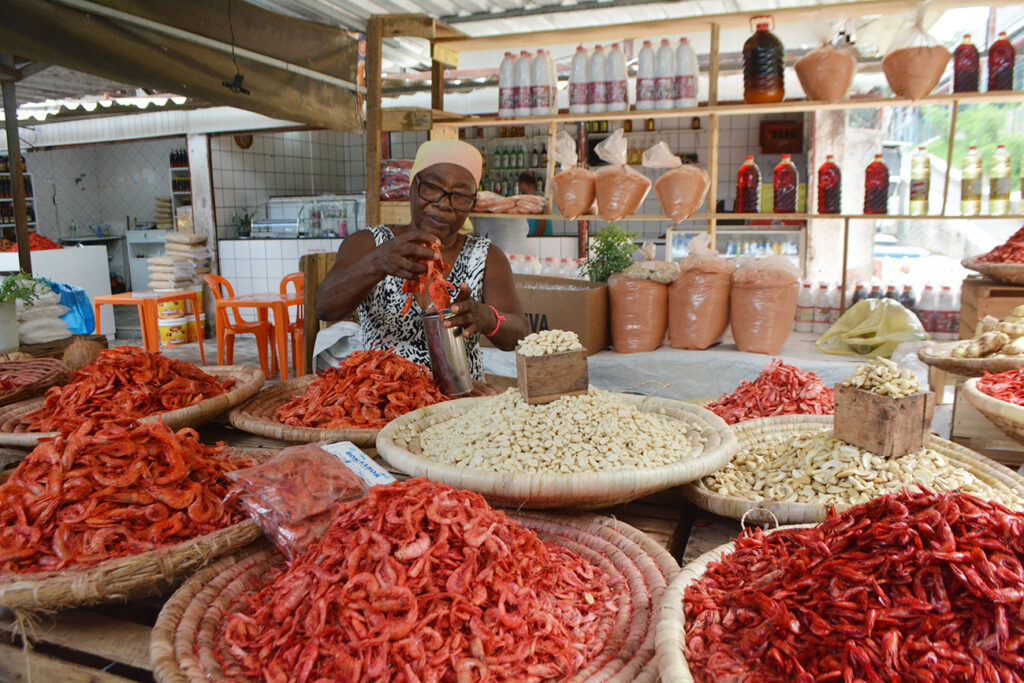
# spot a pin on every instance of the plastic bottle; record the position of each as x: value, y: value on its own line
x: 542, y: 90
x: 805, y: 309
x: 999, y: 182
x: 524, y: 83
x: 507, y: 87
x: 579, y: 80
x: 907, y: 299
x: 965, y: 66
x: 515, y: 261
x: 532, y: 266
x: 970, y: 183
x: 645, y: 79
x: 835, y: 295
x: 597, y: 86
x: 665, y: 76
x: 926, y: 309
x: 875, y: 293
x: 829, y: 186
x: 860, y: 292
x: 876, y: 187
x: 1001, y: 56
x: 686, y: 81
x: 945, y: 314
x: 549, y: 267
x: 785, y: 182
x: 566, y: 268
x: 618, y: 85
x: 891, y: 293
x: 580, y: 273
x: 821, y: 306
x: 763, y: 65
x: 920, y: 182
x: 748, y: 187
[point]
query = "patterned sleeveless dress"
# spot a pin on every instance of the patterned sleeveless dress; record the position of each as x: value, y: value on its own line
x: 380, y: 313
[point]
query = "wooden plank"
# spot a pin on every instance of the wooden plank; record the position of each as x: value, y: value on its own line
x: 16, y: 667
x: 406, y: 119
x: 374, y: 119
x: 314, y: 268
x: 93, y: 633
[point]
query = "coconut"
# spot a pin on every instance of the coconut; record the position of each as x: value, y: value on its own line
x: 80, y: 353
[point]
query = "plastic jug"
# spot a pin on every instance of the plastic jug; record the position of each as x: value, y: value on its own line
x: 763, y: 64
x: 665, y: 76
x: 507, y: 87
x: 524, y: 82
x: 965, y: 66
x: 876, y: 187
x: 1001, y: 55
x: 829, y: 186
x: 685, y: 90
x: 748, y: 187
x: 785, y: 181
x: 618, y: 90
x: 645, y: 79
x: 597, y: 90
x: 578, y: 82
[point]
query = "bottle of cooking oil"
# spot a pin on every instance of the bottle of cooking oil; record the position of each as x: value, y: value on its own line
x: 920, y: 180
x: 970, y: 183
x: 999, y: 182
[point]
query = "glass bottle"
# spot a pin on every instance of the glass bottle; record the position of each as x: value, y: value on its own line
x: 763, y: 65
x: 829, y: 186
x: 1000, y: 64
x: 970, y: 183
x: 965, y: 66
x: 876, y: 187
x: 785, y: 182
x: 920, y: 181
x: 748, y: 187
x: 999, y: 182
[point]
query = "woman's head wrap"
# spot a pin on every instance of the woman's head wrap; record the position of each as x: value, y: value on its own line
x: 448, y: 152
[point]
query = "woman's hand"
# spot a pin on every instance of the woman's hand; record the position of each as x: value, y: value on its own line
x: 403, y: 255
x: 471, y: 315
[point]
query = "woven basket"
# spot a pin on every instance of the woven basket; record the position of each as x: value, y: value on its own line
x: 580, y: 491
x: 248, y: 381
x: 937, y: 356
x: 184, y: 638
x: 129, y: 577
x: 1008, y: 417
x: 35, y: 376
x: 1012, y: 273
x: 256, y: 416
x: 772, y: 428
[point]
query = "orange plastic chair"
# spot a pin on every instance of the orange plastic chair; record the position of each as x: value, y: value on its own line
x: 296, y: 327
x: 223, y: 292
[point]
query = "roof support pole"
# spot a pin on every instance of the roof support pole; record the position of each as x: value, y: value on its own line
x: 14, y: 164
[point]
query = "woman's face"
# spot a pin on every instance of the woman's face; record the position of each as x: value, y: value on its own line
x: 439, y: 215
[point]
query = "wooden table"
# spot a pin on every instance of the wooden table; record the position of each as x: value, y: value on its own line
x: 278, y: 304
x: 147, y: 302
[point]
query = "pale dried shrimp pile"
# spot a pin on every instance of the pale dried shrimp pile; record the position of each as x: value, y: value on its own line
x: 418, y: 581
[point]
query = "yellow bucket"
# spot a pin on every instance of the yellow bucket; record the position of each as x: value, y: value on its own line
x: 190, y: 327
x: 169, y: 310
x: 173, y: 331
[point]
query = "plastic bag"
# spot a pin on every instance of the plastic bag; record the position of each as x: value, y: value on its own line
x: 698, y: 301
x: 872, y: 327
x: 682, y: 189
x: 639, y: 313
x: 915, y: 60
x: 517, y: 203
x: 80, y: 318
x: 296, y: 494
x: 572, y: 187
x: 619, y: 189
x: 762, y: 303
x: 394, y: 179
x: 826, y: 72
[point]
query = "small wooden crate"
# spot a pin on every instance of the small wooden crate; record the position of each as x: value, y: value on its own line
x: 981, y: 296
x: 543, y: 379
x: 886, y: 426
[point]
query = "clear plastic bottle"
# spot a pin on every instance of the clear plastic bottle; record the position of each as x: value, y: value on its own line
x: 524, y: 83
x: 549, y: 267
x: 748, y: 187
x: 580, y: 273
x: 618, y: 85
x: 876, y: 187
x: 970, y: 183
x: 821, y: 309
x: 665, y: 76
x: 926, y: 309
x: 835, y: 296
x: 920, y: 182
x: 829, y: 186
x: 565, y: 268
x: 763, y: 65
x: 1001, y: 56
x: 645, y: 79
x: 999, y: 182
x: 805, y: 309
x: 597, y: 87
x: 532, y: 266
x: 579, y: 80
x: 785, y: 181
x: 946, y: 313
x: 507, y: 87
x: 686, y: 81
x: 542, y: 90
x: 965, y: 66
x: 515, y: 261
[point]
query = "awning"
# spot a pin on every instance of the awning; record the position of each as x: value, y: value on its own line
x: 52, y: 32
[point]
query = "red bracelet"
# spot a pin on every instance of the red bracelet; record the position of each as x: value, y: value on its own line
x: 497, y: 325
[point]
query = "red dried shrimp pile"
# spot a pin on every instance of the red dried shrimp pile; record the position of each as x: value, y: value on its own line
x: 432, y: 281
x: 910, y: 587
x: 780, y: 389
x: 104, y: 492
x: 124, y: 382
x: 368, y: 390
x: 1006, y: 386
x: 36, y: 242
x: 1010, y: 251
x: 422, y: 582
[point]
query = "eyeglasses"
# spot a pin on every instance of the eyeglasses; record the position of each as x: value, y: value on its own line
x: 432, y: 193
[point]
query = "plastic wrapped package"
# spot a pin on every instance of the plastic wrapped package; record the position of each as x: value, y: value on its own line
x: 698, y: 301
x: 915, y: 60
x: 762, y: 303
x: 485, y: 199
x: 682, y: 189
x: 296, y: 494
x: 826, y: 72
x: 572, y: 187
x: 394, y: 179
x: 517, y: 203
x: 639, y: 313
x: 619, y: 189
x: 872, y: 327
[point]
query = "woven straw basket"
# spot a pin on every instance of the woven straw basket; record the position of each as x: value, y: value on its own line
x: 184, y: 641
x: 247, y: 382
x: 937, y: 356
x: 398, y: 444
x: 35, y: 375
x: 128, y: 577
x: 1009, y: 418
x: 1012, y: 273
x: 256, y: 416
x: 772, y: 428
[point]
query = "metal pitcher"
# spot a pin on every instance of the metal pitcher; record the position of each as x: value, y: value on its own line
x: 449, y: 361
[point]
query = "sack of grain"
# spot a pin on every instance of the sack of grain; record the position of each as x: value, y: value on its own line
x: 762, y: 303
x: 39, y: 312
x: 184, y: 238
x: 682, y: 189
x: 915, y: 60
x: 43, y: 330
x: 618, y: 188
x: 698, y: 301
x: 572, y: 187
x: 639, y: 313
x: 826, y: 73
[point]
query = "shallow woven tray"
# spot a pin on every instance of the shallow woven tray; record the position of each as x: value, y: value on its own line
x: 1012, y: 273
x: 129, y: 577
x: 38, y: 375
x: 184, y: 638
x: 248, y: 382
x: 1009, y: 418
x: 580, y: 491
x: 256, y: 416
x: 772, y: 428
x: 937, y: 356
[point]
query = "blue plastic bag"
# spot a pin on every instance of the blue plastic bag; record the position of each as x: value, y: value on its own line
x: 80, y: 318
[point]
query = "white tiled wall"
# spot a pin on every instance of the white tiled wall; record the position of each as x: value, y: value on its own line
x: 256, y: 266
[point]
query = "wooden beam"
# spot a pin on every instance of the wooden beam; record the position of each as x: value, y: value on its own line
x: 417, y: 26
x: 405, y: 119
x: 436, y: 85
x: 374, y: 118
x: 14, y: 165
x: 17, y: 666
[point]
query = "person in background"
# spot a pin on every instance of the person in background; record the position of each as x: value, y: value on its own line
x: 528, y: 185
x: 372, y: 264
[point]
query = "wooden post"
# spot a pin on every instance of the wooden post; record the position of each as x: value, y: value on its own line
x: 14, y: 163
x: 436, y: 84
x: 846, y: 248
x: 374, y: 91
x: 713, y: 66
x: 949, y: 156
x: 713, y: 173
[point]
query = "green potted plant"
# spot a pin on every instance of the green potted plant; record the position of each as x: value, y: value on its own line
x: 15, y: 287
x: 611, y: 252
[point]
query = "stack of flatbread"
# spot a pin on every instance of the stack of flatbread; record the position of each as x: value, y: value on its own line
x: 186, y: 260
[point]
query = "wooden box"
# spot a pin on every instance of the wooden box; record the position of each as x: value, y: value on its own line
x: 981, y: 296
x: 889, y: 427
x: 543, y: 379
x: 970, y: 428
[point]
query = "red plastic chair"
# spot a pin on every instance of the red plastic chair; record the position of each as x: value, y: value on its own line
x: 227, y: 328
x: 295, y: 328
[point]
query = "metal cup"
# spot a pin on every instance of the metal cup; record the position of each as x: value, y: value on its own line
x: 448, y: 359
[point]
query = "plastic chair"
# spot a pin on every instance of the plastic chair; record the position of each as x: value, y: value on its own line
x: 296, y: 328
x: 223, y: 292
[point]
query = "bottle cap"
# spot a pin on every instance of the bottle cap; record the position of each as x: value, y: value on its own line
x: 524, y: 53
x: 598, y: 47
x: 647, y: 42
x: 762, y: 26
x: 829, y: 157
x: 580, y: 48
x: 749, y: 158
x: 615, y: 46
x: 967, y: 37
x: 785, y: 157
x: 1002, y: 35
x: 664, y: 41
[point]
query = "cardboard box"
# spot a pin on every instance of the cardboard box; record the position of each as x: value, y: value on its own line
x: 558, y: 303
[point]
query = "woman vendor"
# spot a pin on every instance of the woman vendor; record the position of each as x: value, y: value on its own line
x: 367, y: 275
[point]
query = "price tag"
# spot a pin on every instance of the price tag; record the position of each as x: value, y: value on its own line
x: 360, y: 463
x: 446, y: 56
